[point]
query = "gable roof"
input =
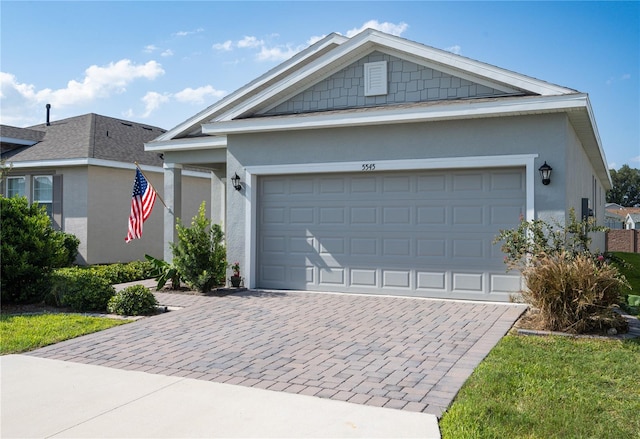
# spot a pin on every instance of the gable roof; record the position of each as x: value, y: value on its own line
x: 246, y: 110
x: 88, y: 136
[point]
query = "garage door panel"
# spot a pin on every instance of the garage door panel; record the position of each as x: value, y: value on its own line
x: 419, y: 233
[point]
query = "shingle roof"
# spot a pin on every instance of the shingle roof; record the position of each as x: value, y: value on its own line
x: 89, y: 136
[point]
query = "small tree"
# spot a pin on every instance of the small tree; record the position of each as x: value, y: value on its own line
x: 31, y: 249
x: 199, y: 255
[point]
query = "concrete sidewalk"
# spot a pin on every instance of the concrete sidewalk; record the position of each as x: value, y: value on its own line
x: 51, y: 398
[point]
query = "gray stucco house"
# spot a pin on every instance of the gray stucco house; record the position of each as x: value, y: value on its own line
x: 378, y: 165
x: 82, y: 170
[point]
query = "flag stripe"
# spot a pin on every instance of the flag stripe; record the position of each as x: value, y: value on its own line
x: 143, y: 197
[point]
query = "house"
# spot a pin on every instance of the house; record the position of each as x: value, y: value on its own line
x: 614, y: 216
x: 632, y: 221
x: 378, y: 165
x: 82, y: 169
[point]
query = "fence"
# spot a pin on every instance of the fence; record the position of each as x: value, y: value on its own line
x: 623, y: 241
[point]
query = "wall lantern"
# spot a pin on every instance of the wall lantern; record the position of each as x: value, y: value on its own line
x: 235, y: 180
x: 545, y: 173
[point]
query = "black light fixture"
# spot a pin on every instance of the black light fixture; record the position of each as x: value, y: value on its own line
x: 235, y: 181
x: 545, y: 173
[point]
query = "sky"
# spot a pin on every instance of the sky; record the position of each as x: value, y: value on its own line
x: 162, y: 62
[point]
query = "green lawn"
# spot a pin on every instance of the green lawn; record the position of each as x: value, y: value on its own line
x: 21, y: 333
x: 632, y: 273
x: 550, y: 387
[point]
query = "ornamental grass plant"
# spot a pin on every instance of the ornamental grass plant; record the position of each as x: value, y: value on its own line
x: 572, y: 289
x: 574, y: 293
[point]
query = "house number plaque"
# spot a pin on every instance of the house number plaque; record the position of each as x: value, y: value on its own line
x: 368, y: 166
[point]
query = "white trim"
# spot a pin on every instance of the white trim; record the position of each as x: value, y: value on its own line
x: 252, y: 173
x: 64, y: 163
x: 187, y: 144
x: 448, y: 111
x: 238, y: 95
x: 370, y: 40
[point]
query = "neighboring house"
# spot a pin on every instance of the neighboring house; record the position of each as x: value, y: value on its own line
x: 614, y: 216
x: 632, y: 221
x: 378, y: 165
x: 617, y: 217
x: 82, y: 170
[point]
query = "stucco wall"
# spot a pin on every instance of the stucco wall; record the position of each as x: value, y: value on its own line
x: 109, y: 210
x: 541, y: 134
x: 582, y: 182
x: 74, y: 206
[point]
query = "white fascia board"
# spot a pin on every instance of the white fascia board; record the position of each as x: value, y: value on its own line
x: 65, y: 163
x: 596, y: 136
x: 371, y: 38
x: 494, y: 108
x: 310, y: 51
x: 206, y: 142
x: 310, y: 69
x: 16, y: 141
x: 474, y: 67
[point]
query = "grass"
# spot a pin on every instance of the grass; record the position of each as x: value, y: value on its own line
x: 21, y: 333
x: 550, y: 387
x: 632, y: 273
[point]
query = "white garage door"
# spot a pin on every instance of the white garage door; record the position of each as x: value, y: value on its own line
x: 408, y: 233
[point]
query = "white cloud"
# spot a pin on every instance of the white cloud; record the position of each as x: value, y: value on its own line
x: 150, y: 48
x: 314, y: 39
x: 390, y: 28
x: 167, y: 52
x: 454, y: 49
x: 152, y: 101
x: 226, y: 46
x: 198, y: 95
x: 250, y: 42
x: 98, y: 82
x: 184, y: 33
x: 635, y: 159
x: 277, y: 53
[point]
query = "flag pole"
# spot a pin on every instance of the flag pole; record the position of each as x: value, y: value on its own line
x: 149, y: 183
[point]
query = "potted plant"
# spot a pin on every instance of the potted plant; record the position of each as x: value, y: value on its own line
x: 235, y: 279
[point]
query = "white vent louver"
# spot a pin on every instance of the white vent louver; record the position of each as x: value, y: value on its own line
x: 375, y: 78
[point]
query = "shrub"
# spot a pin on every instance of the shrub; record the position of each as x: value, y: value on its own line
x: 163, y: 272
x: 80, y: 289
x: 133, y: 301
x: 199, y: 255
x: 120, y: 273
x: 31, y: 249
x: 574, y: 293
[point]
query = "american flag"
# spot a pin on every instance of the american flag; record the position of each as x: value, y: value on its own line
x: 142, y: 200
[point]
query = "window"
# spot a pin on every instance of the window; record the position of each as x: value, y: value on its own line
x: 43, y: 192
x: 15, y: 187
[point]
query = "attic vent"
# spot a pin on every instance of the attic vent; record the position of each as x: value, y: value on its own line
x: 375, y: 78
x: 127, y: 124
x: 147, y: 128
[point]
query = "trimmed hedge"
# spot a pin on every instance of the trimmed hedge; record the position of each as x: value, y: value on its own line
x: 80, y: 289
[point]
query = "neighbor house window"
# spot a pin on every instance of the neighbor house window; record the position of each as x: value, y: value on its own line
x: 43, y: 192
x: 15, y: 187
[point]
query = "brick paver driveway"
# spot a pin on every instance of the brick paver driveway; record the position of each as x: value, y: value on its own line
x: 403, y: 353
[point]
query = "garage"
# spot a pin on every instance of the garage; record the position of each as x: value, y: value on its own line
x: 418, y: 233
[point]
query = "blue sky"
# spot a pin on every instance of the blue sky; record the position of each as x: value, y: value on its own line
x: 162, y: 62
